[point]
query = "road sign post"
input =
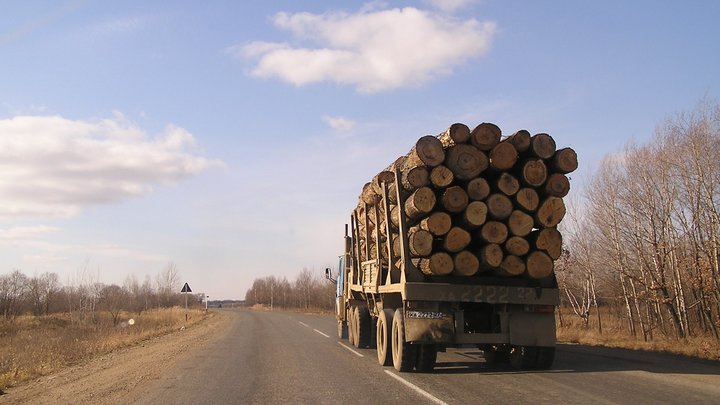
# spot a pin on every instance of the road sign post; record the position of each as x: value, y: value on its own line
x: 186, y: 289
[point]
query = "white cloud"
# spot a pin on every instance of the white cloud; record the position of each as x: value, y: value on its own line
x: 26, y: 232
x: 372, y: 49
x: 450, y: 5
x: 339, y: 123
x: 51, y: 166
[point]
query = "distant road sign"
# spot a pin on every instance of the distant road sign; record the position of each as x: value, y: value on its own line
x: 186, y: 288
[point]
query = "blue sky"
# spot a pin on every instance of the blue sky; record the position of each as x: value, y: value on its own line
x: 233, y: 138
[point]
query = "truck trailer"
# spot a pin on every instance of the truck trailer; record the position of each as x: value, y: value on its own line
x: 409, y: 316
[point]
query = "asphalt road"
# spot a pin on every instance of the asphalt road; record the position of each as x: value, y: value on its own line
x: 282, y: 357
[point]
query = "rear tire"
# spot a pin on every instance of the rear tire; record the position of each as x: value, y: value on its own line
x: 523, y: 357
x: 403, y: 353
x: 545, y: 357
x: 426, y: 358
x: 384, y: 337
x: 342, y: 329
x: 495, y: 356
x: 365, y: 330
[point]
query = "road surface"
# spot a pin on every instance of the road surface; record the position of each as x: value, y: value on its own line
x: 259, y: 357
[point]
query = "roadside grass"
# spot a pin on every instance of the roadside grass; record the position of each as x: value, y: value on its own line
x: 33, y: 346
x: 615, y: 334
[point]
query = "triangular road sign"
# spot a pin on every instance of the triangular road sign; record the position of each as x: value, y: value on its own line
x: 186, y: 288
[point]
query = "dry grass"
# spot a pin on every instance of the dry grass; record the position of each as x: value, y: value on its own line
x: 35, y: 346
x: 615, y: 334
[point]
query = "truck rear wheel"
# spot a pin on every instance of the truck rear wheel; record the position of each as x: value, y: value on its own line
x: 496, y: 355
x: 403, y: 353
x: 426, y: 358
x: 545, y: 357
x: 523, y: 357
x: 364, y: 328
x: 384, y: 337
x: 342, y: 329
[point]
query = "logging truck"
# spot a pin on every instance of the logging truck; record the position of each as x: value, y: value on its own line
x: 410, y: 295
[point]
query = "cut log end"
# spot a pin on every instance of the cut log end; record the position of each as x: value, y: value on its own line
x: 478, y: 189
x: 550, y: 212
x: 465, y: 161
x: 485, y: 136
x: 503, y: 156
x: 439, y: 264
x: 520, y: 140
x: 455, y: 199
x: 539, y: 265
x: 491, y: 256
x: 438, y: 223
x: 465, y: 263
x: 542, y: 146
x: 565, y: 161
x: 512, y: 266
x: 441, y: 176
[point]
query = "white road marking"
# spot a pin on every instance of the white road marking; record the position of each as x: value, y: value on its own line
x: 304, y: 324
x: 347, y: 347
x: 416, y: 388
x: 321, y: 333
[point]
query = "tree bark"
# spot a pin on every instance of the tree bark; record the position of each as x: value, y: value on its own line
x: 478, y: 189
x: 550, y: 212
x: 499, y: 206
x: 382, y: 177
x: 465, y: 263
x: 466, y: 161
x: 485, y: 136
x: 454, y: 199
x: 494, y: 232
x: 420, y: 203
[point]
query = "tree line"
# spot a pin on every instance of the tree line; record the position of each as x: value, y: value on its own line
x: 308, y: 290
x: 646, y: 243
x: 85, y: 295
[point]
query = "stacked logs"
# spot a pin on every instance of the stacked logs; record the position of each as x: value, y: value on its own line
x: 475, y: 203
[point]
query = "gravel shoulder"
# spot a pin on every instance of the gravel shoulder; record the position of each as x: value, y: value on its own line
x: 114, y: 377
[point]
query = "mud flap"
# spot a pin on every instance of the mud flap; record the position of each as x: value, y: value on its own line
x: 438, y: 330
x: 531, y: 329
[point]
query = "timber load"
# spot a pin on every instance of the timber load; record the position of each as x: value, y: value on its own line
x: 471, y: 203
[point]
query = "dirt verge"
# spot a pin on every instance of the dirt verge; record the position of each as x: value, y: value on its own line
x: 110, y: 378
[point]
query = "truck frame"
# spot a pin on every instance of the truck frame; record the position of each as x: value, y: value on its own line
x: 409, y: 316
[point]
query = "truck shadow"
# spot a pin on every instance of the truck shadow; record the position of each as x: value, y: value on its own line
x: 581, y: 359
